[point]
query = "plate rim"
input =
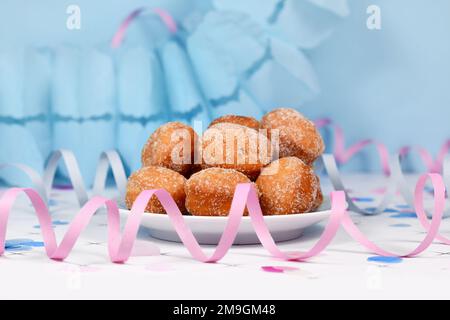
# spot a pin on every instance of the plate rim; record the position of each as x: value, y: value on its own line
x: 225, y: 218
x: 326, y: 212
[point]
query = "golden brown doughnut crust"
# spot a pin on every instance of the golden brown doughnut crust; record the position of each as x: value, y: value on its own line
x: 298, y: 136
x: 210, y: 191
x: 319, y: 197
x: 232, y: 146
x: 154, y: 177
x: 287, y: 186
x: 167, y: 139
x: 249, y: 122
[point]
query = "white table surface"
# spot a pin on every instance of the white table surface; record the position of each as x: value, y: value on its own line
x: 342, y: 271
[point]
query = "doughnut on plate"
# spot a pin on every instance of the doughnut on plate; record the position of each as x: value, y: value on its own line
x: 208, y: 230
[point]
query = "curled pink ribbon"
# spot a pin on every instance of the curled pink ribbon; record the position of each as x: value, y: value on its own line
x: 343, y: 155
x: 432, y: 228
x: 432, y: 165
x: 120, y: 246
x: 166, y: 18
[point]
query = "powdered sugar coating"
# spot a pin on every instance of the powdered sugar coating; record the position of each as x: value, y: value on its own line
x: 153, y: 177
x: 232, y: 146
x: 298, y: 136
x: 319, y: 199
x: 240, y: 120
x: 287, y: 186
x: 210, y: 191
x: 171, y: 146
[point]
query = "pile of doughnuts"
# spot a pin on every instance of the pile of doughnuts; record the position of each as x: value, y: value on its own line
x: 201, y: 173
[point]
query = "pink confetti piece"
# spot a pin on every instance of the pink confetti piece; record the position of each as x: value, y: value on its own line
x: 278, y: 269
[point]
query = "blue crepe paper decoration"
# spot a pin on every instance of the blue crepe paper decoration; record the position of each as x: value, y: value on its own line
x: 241, y: 57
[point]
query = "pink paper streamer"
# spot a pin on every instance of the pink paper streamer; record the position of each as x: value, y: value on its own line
x: 432, y: 165
x: 344, y: 155
x: 166, y: 18
x: 120, y: 245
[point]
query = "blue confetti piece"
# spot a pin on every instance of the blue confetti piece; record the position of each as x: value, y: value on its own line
x: 403, y: 215
x: 18, y: 248
x: 59, y: 223
x: 39, y: 226
x: 390, y: 210
x: 54, y: 223
x: 363, y: 199
x: 16, y: 242
x: 384, y: 259
x: 13, y: 246
x: 400, y: 225
x: 22, y: 244
x: 35, y: 244
x: 403, y: 206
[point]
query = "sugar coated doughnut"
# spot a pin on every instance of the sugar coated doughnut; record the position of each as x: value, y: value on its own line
x: 154, y: 177
x: 210, y: 191
x: 287, y: 186
x: 241, y: 120
x: 232, y: 146
x: 298, y: 136
x: 172, y: 146
x: 319, y: 197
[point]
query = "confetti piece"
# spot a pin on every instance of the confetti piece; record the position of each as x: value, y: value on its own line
x: 403, y: 215
x: 403, y: 206
x: 60, y: 223
x: 384, y: 259
x: 38, y: 226
x: 35, y: 244
x: 363, y: 199
x: 18, y: 248
x: 15, y: 242
x: 278, y: 269
x: 22, y: 245
x: 390, y: 210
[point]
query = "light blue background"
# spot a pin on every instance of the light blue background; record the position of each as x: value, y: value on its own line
x: 392, y: 85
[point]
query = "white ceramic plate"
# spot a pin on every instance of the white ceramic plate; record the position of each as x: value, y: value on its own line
x: 208, y: 230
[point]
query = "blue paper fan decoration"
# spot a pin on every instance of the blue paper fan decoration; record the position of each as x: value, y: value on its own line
x: 227, y: 57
